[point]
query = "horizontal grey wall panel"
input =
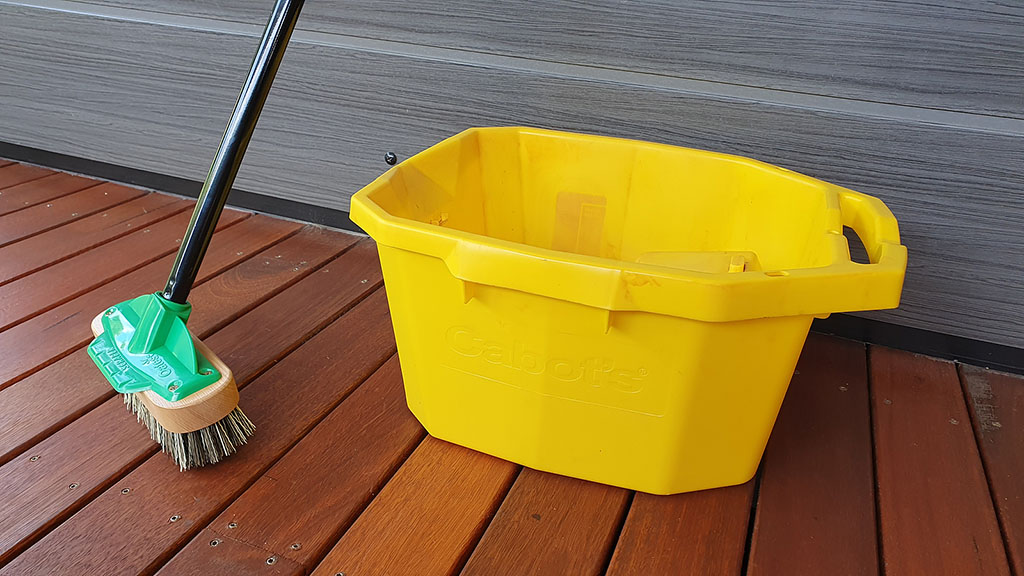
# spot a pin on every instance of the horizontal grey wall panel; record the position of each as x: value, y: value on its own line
x: 953, y: 55
x: 156, y: 97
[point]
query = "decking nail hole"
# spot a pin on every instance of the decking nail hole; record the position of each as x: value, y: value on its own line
x: 126, y: 490
x: 843, y: 388
x: 73, y: 485
x: 296, y: 546
x: 49, y: 205
x: 363, y: 281
x: 33, y: 459
x: 214, y: 542
x: 272, y: 560
x: 887, y: 402
x: 954, y: 421
x: 73, y: 214
x: 175, y: 518
x: 233, y: 525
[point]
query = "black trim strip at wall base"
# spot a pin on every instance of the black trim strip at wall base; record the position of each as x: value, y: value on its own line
x: 180, y: 186
x: 966, y: 350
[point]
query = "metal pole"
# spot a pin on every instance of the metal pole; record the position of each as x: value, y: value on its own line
x: 232, y: 148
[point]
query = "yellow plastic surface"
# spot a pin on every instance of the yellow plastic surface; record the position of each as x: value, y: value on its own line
x: 619, y: 311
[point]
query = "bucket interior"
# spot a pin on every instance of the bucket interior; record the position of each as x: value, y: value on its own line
x: 614, y: 199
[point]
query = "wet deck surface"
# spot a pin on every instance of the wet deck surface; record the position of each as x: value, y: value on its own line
x: 881, y: 461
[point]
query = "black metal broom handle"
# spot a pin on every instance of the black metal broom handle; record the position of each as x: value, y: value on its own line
x: 232, y: 148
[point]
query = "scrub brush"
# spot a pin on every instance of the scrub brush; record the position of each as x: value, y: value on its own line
x: 174, y: 383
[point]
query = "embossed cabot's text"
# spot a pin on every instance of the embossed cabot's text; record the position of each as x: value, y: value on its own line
x: 516, y: 355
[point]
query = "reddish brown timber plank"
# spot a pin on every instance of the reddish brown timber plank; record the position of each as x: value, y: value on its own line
x: 296, y: 511
x: 694, y: 533
x: 36, y: 343
x: 42, y: 217
x: 115, y: 535
x: 6, y: 163
x: 228, y: 555
x: 36, y: 252
x: 73, y: 379
x: 30, y: 295
x: 14, y: 174
x: 816, y: 501
x: 935, y: 510
x: 997, y: 408
x: 428, y: 517
x: 41, y: 190
x: 551, y: 524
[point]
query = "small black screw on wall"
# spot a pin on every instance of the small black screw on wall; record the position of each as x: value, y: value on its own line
x: 391, y: 158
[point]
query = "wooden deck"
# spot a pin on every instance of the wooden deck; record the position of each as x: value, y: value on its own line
x: 882, y: 462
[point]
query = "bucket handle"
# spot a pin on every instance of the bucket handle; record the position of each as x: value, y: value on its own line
x: 875, y: 225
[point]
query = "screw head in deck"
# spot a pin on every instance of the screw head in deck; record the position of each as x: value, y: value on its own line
x: 272, y: 560
x: 391, y: 158
x: 233, y: 525
x: 126, y: 490
x: 214, y: 542
x: 175, y: 518
x: 296, y: 546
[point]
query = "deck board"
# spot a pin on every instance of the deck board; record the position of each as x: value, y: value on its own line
x: 49, y: 187
x: 816, y: 503
x: 43, y: 217
x: 997, y: 414
x: 699, y: 533
x: 46, y: 249
x: 551, y: 524
x: 33, y: 294
x: 341, y: 479
x: 935, y: 510
x: 297, y: 510
x: 431, y: 514
x: 14, y: 174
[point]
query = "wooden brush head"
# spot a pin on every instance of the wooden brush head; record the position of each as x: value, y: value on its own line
x: 196, y: 411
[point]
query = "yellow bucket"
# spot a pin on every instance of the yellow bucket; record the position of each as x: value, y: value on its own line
x: 618, y: 311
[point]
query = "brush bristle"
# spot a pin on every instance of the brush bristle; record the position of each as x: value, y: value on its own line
x: 194, y: 449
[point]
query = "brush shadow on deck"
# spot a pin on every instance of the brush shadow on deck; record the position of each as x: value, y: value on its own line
x: 881, y: 461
